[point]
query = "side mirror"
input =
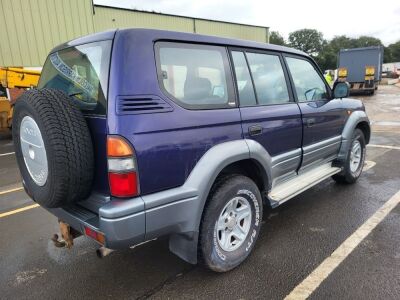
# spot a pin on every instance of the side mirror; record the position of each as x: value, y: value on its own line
x: 341, y: 90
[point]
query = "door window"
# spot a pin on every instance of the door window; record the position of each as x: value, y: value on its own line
x: 309, y: 85
x: 269, y: 79
x: 245, y: 87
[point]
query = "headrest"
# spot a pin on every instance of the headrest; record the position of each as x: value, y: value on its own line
x: 197, y: 88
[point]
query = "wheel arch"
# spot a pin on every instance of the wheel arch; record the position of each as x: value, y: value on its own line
x: 240, y: 156
x: 248, y: 167
x: 366, y: 129
x: 357, y: 119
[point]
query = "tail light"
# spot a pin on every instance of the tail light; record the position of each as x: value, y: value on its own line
x: 122, y: 169
x: 342, y: 74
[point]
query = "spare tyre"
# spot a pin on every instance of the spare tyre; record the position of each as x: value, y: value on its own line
x: 53, y: 147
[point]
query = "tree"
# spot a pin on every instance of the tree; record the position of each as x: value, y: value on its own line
x: 394, y: 52
x: 276, y: 38
x: 327, y: 59
x: 387, y: 55
x: 310, y: 41
x: 328, y: 56
x: 368, y: 41
x: 342, y: 42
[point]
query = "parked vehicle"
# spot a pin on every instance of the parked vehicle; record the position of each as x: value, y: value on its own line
x: 361, y: 67
x: 13, y: 78
x: 391, y: 70
x: 136, y: 134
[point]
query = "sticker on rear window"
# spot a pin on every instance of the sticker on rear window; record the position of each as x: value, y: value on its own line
x: 65, y: 70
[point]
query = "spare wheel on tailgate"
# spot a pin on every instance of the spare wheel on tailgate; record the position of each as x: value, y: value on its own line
x: 53, y: 147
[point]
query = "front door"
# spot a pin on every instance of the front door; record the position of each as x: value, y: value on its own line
x: 268, y: 111
x: 323, y: 117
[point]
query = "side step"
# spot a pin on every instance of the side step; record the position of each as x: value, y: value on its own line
x: 288, y: 189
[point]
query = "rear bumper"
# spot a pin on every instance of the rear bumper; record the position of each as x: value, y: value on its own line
x: 119, y: 232
x: 125, y: 223
x: 362, y: 86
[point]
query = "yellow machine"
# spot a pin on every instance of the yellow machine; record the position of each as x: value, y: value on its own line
x: 13, y: 78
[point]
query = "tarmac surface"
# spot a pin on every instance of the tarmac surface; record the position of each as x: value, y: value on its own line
x: 295, y: 239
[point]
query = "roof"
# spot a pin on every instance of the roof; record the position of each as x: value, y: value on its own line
x: 155, y: 34
x: 362, y: 48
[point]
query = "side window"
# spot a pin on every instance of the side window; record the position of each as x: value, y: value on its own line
x: 269, y: 79
x: 309, y: 85
x: 243, y: 80
x: 195, y: 75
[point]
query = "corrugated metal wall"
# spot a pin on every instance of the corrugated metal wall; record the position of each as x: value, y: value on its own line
x: 106, y: 18
x: 246, y: 32
x: 31, y: 28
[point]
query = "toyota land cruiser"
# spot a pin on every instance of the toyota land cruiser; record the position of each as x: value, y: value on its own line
x: 137, y: 134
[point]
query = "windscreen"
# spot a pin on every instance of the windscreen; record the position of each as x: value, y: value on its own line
x: 82, y: 73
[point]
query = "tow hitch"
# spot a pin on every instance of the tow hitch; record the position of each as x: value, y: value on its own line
x: 68, y: 234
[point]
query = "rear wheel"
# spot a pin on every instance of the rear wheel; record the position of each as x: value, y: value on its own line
x: 231, y: 223
x: 354, y: 163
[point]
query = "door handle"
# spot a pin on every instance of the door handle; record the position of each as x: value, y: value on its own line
x: 310, y: 122
x: 255, y: 130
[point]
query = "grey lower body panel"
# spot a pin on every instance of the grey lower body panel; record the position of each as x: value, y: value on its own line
x: 321, y: 152
x: 285, y: 165
x: 136, y: 226
x: 171, y: 218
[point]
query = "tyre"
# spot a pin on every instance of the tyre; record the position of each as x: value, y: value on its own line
x: 355, y: 159
x: 231, y: 223
x: 53, y: 148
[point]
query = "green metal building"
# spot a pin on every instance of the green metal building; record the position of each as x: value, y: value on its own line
x: 31, y: 28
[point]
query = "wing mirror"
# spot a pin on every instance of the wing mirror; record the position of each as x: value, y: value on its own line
x: 341, y: 90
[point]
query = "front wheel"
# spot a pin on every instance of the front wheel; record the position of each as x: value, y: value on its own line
x: 354, y: 163
x: 231, y: 223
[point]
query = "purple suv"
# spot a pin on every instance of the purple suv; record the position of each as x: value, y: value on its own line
x: 137, y: 134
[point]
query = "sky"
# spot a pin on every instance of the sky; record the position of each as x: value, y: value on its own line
x: 380, y: 19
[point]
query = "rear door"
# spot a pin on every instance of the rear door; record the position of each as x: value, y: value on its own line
x: 268, y: 111
x: 81, y: 72
x: 323, y: 117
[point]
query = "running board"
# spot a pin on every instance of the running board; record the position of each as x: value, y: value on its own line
x: 288, y: 189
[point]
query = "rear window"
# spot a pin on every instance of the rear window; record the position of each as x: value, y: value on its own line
x: 196, y: 76
x: 82, y: 73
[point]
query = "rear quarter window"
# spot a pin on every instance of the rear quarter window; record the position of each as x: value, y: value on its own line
x: 195, y: 76
x: 82, y: 73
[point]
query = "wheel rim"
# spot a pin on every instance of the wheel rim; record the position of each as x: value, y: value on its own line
x: 33, y: 150
x: 233, y: 224
x: 355, y: 156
